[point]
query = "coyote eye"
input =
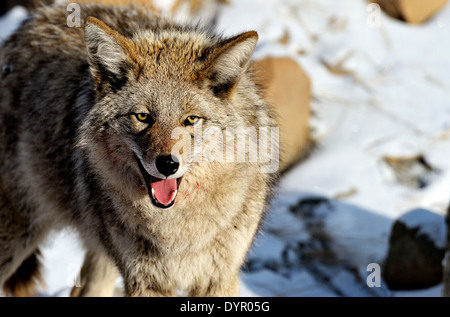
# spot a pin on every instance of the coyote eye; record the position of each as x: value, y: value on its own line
x: 143, y: 117
x: 191, y: 120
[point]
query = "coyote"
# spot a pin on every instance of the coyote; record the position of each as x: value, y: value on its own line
x: 87, y: 116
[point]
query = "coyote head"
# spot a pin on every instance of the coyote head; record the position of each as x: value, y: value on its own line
x: 161, y: 79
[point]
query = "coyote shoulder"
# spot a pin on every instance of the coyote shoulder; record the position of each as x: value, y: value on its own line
x: 87, y: 121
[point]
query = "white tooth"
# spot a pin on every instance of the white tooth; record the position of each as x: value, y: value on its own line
x: 174, y: 195
x: 153, y: 193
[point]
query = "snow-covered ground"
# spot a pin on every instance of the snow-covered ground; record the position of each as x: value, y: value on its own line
x: 381, y: 119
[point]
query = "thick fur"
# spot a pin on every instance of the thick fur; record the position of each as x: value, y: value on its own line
x: 69, y: 145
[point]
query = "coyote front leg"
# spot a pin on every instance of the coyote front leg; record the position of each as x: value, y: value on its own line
x: 98, y: 276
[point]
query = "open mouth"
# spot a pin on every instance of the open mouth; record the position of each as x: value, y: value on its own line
x: 162, y: 192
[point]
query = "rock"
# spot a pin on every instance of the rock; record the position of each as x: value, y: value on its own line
x: 413, y: 171
x: 446, y: 262
x: 287, y: 87
x: 416, y: 250
x: 412, y: 11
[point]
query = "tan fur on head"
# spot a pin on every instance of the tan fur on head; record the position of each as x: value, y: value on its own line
x: 232, y: 57
x: 108, y: 50
x: 228, y: 62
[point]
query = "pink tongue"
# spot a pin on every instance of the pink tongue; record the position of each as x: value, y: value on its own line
x: 165, y: 190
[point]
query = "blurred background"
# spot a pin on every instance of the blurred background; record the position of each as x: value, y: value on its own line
x: 363, y: 93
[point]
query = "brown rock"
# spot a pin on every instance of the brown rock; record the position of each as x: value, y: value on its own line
x: 413, y: 260
x: 288, y: 89
x: 412, y: 11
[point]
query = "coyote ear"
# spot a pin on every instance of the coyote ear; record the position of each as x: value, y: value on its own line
x: 228, y: 61
x: 108, y: 55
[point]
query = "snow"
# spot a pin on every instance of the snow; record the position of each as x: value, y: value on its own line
x: 429, y: 223
x: 62, y: 258
x: 11, y: 21
x: 332, y: 214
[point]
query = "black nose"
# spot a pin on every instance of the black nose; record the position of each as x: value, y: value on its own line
x: 167, y: 165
